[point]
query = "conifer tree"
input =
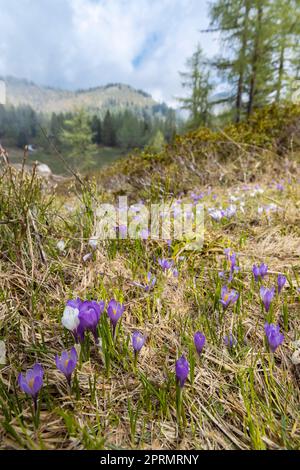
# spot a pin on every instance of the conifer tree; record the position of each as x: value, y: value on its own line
x: 286, y: 61
x: 196, y: 79
x: 96, y: 128
x: 77, y: 137
x: 261, y: 37
x: 108, y: 131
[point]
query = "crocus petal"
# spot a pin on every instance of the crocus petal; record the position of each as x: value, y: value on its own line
x: 70, y: 367
x: 37, y: 385
x: 23, y: 384
x: 73, y: 355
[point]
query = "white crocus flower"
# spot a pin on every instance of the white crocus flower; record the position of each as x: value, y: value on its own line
x: 296, y: 344
x: 61, y: 245
x: 296, y: 357
x: 242, y: 207
x: 70, y: 318
x: 260, y: 210
x: 216, y: 214
x: 86, y: 257
x: 2, y: 353
x: 230, y: 211
x: 93, y: 242
x: 296, y: 354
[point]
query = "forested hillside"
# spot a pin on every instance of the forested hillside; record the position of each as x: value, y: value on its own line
x: 114, y: 96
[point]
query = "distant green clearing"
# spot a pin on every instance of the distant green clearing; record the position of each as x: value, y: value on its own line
x: 103, y: 156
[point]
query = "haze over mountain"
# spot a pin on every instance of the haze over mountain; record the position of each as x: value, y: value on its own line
x: 115, y: 97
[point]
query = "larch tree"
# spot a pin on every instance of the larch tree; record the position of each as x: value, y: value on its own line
x: 77, y: 137
x: 196, y: 79
x: 260, y: 38
x: 232, y: 19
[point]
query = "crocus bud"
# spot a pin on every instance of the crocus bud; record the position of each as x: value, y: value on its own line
x: 281, y: 280
x: 274, y: 337
x: 230, y: 341
x: 267, y: 296
x: 138, y: 341
x: 114, y: 311
x: 182, y: 370
x: 199, y: 341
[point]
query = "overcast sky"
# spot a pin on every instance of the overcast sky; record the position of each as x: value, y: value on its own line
x: 83, y: 43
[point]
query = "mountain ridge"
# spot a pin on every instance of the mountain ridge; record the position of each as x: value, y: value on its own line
x: 99, y: 99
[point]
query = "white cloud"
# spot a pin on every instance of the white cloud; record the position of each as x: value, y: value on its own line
x: 82, y: 43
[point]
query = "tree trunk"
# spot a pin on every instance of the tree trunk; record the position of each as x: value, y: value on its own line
x: 255, y: 59
x: 280, y: 72
x: 240, y: 87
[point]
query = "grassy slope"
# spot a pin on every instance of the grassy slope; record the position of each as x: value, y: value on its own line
x: 239, y: 399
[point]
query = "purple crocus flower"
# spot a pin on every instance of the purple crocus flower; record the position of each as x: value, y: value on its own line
x: 259, y: 272
x: 197, y: 197
x: 230, y: 341
x: 228, y: 297
x: 138, y: 341
x: 165, y: 264
x: 274, y: 337
x: 74, y: 303
x: 182, y: 370
x: 32, y: 382
x: 216, y: 214
x: 230, y: 211
x: 122, y: 231
x: 144, y: 234
x: 150, y: 282
x: 263, y: 270
x: 255, y: 270
x: 89, y: 315
x: 228, y: 253
x: 281, y: 280
x: 114, y: 311
x: 151, y: 279
x: 67, y: 363
x: 199, y: 341
x: 267, y: 296
x: 232, y: 258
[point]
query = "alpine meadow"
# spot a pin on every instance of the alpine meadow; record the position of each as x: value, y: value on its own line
x: 150, y: 227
